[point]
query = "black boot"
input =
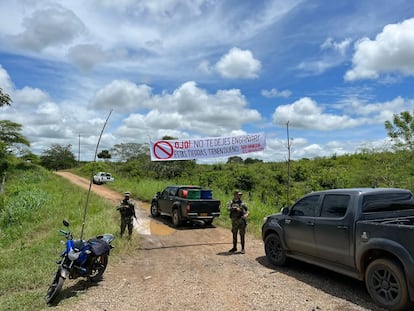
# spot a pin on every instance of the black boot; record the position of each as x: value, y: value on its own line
x: 242, y: 244
x: 234, y: 244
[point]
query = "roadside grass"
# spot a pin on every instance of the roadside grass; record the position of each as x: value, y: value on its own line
x: 32, y: 208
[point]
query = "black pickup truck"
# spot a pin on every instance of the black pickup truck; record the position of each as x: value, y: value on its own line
x: 186, y: 203
x: 364, y: 233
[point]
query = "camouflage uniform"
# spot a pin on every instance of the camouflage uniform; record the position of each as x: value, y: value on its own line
x: 238, y: 211
x: 127, y: 210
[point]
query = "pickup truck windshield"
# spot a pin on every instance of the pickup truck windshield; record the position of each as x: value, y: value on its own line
x: 387, y: 202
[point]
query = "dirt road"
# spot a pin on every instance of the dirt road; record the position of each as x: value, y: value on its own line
x: 190, y: 269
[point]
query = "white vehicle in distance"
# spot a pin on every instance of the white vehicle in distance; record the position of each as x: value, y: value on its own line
x: 102, y: 177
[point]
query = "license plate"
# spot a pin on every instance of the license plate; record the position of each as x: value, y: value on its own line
x: 203, y: 214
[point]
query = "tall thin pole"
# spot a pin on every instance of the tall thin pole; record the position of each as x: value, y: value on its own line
x: 288, y: 164
x: 93, y: 170
x: 79, y: 150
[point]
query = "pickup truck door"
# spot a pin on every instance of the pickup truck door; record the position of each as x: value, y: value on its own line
x: 333, y: 229
x: 166, y: 200
x: 299, y: 226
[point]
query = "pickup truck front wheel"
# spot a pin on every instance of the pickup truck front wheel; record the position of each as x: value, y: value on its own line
x: 208, y: 222
x: 274, y: 250
x: 154, y: 210
x: 386, y: 284
x: 176, y: 218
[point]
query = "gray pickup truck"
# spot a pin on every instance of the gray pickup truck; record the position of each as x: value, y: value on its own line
x: 186, y: 203
x: 364, y: 233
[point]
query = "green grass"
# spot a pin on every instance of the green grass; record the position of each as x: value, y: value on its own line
x: 32, y: 208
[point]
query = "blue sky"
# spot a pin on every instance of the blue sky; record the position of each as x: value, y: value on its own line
x: 334, y: 70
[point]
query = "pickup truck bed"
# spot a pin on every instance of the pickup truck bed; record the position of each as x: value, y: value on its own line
x: 183, y: 203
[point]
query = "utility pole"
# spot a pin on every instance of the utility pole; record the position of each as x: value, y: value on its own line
x: 79, y: 150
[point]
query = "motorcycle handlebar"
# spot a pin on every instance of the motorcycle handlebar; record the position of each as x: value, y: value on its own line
x: 66, y: 234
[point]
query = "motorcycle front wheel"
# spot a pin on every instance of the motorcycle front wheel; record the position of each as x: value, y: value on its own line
x: 54, y: 288
x: 98, y: 267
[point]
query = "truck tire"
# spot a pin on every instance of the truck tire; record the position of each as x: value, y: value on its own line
x: 154, y: 210
x: 275, y: 253
x: 386, y: 284
x: 176, y: 218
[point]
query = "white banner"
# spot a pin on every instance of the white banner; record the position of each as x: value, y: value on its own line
x: 190, y: 149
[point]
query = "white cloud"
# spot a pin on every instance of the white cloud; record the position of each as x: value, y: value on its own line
x: 340, y: 47
x: 276, y: 93
x: 192, y: 109
x: 334, y: 55
x: 30, y: 97
x: 306, y: 114
x: 49, y: 109
x: 317, y: 67
x: 205, y: 67
x: 5, y: 82
x: 375, y: 113
x: 123, y: 96
x: 238, y: 63
x: 188, y: 107
x: 48, y: 27
x: 390, y: 52
x: 86, y: 56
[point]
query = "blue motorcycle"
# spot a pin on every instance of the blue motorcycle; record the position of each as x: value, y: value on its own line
x: 80, y: 259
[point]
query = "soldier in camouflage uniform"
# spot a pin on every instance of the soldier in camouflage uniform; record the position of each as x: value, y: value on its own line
x: 238, y: 211
x: 127, y: 210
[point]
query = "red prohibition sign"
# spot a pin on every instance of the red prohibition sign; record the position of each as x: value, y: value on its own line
x: 163, y: 150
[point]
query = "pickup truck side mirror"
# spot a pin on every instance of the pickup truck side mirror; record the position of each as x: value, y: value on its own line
x: 285, y: 211
x: 158, y: 193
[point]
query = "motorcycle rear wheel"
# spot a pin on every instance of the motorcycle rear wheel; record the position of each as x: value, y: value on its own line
x: 54, y: 288
x: 98, y: 267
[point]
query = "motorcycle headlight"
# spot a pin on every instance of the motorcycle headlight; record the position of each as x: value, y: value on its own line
x: 73, y: 255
